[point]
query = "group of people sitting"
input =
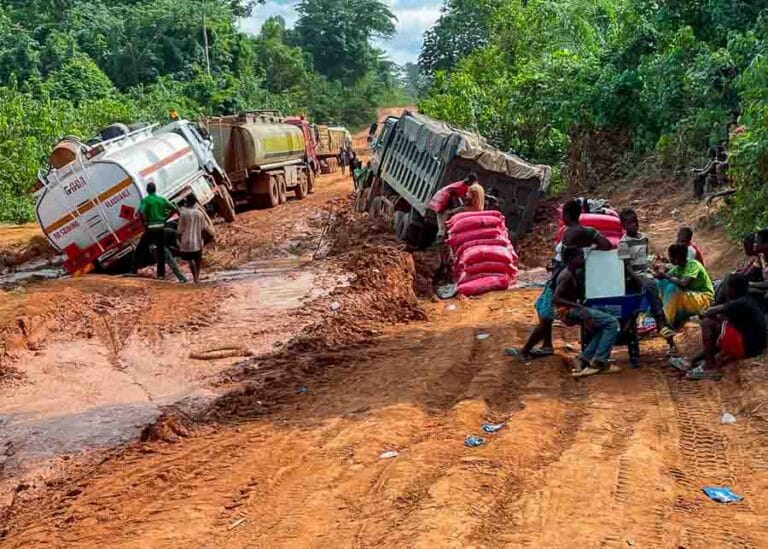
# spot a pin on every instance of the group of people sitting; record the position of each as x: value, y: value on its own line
x: 676, y: 289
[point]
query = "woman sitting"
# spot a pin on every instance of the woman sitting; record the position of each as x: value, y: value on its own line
x: 686, y: 289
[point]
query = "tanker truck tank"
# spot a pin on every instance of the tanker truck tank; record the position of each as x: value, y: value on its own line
x: 264, y: 157
x: 87, y: 202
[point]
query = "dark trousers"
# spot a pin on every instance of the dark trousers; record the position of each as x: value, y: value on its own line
x: 151, y: 236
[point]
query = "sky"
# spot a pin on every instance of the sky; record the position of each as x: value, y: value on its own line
x: 414, y: 17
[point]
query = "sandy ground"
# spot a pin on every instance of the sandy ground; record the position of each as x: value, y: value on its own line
x: 272, y: 397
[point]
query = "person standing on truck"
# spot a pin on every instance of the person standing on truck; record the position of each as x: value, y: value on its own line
x: 191, y: 224
x: 155, y: 210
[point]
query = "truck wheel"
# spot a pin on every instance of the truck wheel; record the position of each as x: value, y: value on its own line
x: 209, y: 231
x: 311, y: 182
x: 301, y: 189
x: 272, y: 198
x: 282, y: 189
x: 225, y: 206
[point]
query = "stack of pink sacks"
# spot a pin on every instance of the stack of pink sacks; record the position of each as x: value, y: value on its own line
x: 484, y: 259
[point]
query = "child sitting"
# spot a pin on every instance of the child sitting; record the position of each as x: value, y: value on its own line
x: 604, y: 328
x: 633, y: 249
x: 732, y: 331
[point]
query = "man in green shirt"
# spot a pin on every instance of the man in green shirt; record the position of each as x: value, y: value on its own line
x: 154, y: 210
x: 686, y: 289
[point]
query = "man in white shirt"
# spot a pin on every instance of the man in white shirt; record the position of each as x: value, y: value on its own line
x: 191, y: 223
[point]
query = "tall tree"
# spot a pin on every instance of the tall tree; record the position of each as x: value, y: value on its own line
x: 463, y: 27
x: 337, y: 34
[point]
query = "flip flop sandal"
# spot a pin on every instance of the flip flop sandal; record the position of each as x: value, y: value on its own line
x: 679, y: 363
x: 541, y: 353
x: 666, y: 332
x: 518, y: 354
x: 585, y: 372
x: 672, y: 352
x: 700, y: 373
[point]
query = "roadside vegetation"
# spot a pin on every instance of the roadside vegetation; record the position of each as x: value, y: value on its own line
x: 74, y: 66
x: 663, y: 79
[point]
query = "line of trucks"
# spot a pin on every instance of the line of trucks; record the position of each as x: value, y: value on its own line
x: 87, y: 201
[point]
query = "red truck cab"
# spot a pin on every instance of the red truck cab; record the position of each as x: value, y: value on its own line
x: 310, y: 143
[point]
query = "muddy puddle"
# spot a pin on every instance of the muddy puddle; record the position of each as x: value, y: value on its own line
x: 87, y: 394
x: 32, y: 271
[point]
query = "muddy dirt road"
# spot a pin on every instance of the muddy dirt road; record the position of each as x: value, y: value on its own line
x: 280, y: 445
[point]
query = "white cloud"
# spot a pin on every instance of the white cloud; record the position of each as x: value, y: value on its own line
x: 413, y: 18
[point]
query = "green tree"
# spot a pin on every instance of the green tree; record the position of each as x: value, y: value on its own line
x: 463, y: 27
x: 337, y: 34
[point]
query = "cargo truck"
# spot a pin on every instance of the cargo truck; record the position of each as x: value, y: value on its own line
x: 413, y: 156
x: 330, y: 142
x: 264, y: 156
x: 87, y: 203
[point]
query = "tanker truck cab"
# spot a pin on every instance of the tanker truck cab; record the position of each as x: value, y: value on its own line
x: 88, y: 201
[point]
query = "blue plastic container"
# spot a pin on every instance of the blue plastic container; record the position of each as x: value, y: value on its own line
x: 622, y: 307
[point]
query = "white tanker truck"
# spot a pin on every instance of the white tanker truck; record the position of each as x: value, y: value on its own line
x: 88, y: 202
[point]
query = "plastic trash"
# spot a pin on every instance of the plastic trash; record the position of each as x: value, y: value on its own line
x: 450, y: 308
x: 303, y: 389
x: 481, y: 336
x: 335, y: 306
x: 472, y: 441
x: 448, y: 291
x: 722, y: 494
x: 493, y: 427
x: 389, y: 454
x: 728, y: 419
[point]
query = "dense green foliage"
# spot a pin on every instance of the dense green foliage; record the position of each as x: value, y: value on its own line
x: 74, y: 66
x: 669, y: 74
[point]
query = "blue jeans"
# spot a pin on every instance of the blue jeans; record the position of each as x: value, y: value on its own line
x: 605, y: 330
x: 651, y: 291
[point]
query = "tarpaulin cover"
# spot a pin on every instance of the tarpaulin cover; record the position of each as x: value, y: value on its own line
x: 445, y: 142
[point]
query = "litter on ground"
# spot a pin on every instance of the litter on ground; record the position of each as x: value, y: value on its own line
x: 722, y: 494
x: 472, y: 441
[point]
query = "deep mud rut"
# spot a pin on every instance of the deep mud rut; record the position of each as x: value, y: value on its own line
x: 613, y: 461
x: 278, y: 402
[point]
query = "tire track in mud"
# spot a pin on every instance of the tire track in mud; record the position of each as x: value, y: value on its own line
x: 704, y: 461
x: 640, y: 512
x: 501, y: 517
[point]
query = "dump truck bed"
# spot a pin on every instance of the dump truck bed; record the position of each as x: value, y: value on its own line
x: 425, y: 154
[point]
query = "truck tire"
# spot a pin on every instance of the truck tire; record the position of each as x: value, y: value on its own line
x: 209, y: 231
x: 416, y: 233
x: 302, y: 187
x: 269, y: 199
x: 402, y: 222
x: 311, y: 182
x: 282, y: 189
x: 225, y: 206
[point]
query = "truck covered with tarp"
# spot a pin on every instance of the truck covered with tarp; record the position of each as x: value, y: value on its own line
x: 414, y: 156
